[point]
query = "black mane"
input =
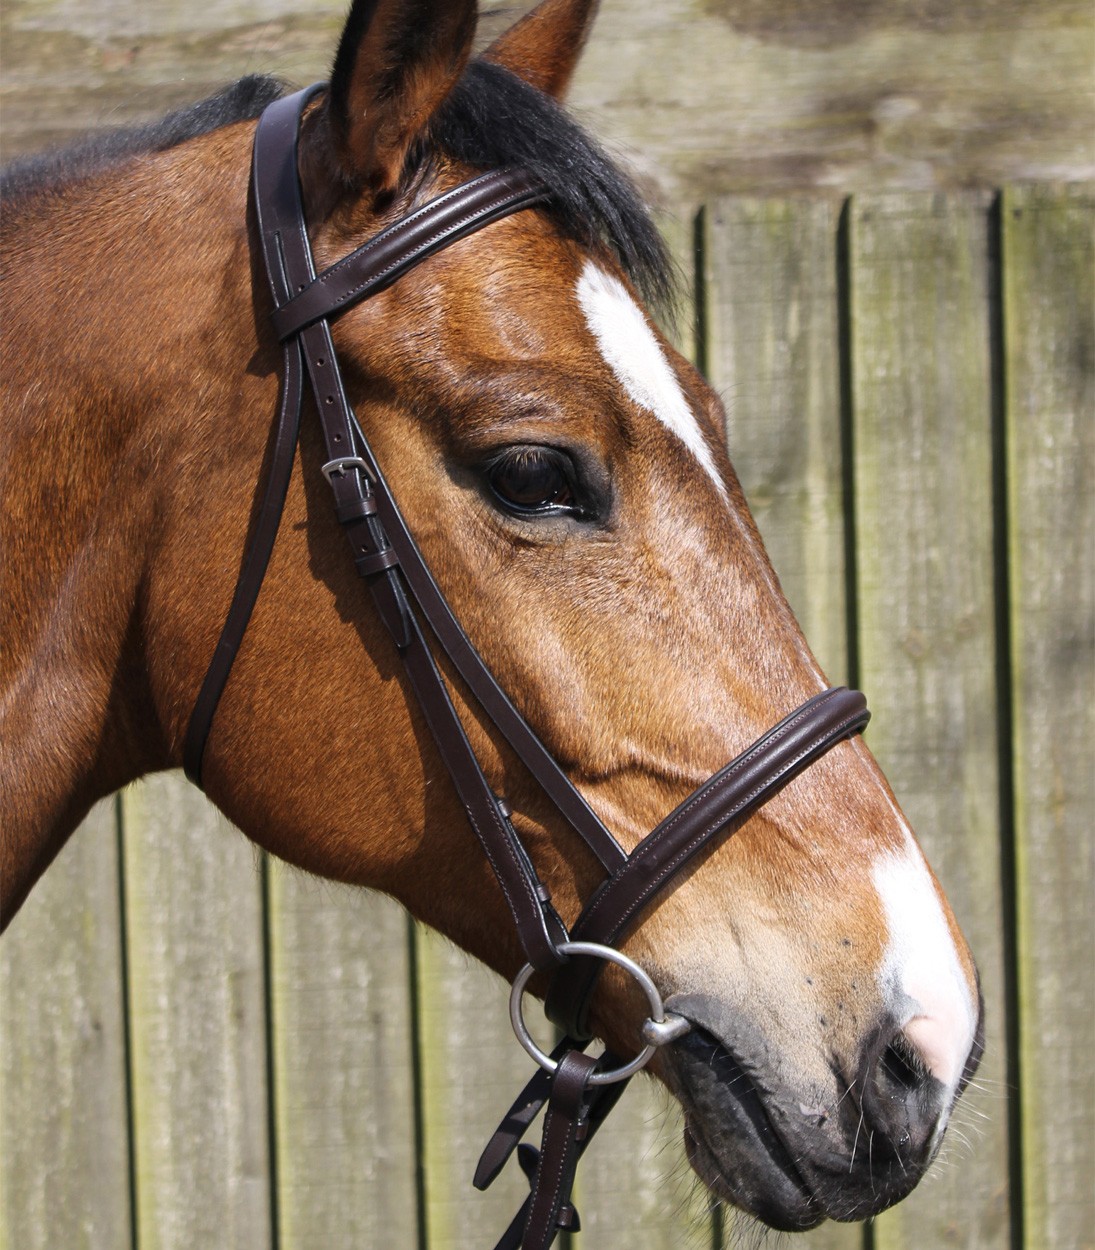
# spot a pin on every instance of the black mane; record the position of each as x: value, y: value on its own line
x: 241, y: 101
x: 492, y: 119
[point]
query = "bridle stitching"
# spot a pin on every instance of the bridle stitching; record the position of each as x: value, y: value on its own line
x: 485, y: 843
x: 683, y: 854
x: 404, y: 258
x: 650, y: 844
x: 425, y: 245
x: 378, y: 240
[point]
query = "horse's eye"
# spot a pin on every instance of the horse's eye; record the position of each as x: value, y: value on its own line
x: 533, y: 479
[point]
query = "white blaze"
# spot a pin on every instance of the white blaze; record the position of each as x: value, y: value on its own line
x: 635, y: 356
x: 921, y: 958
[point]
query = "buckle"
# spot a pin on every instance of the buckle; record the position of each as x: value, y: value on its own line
x: 344, y: 463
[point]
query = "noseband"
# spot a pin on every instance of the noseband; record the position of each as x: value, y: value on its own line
x: 578, y: 1089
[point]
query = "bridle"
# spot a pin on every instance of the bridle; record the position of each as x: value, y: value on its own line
x: 579, y: 1090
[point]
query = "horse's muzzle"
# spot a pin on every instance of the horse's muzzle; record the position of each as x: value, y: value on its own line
x: 792, y: 1159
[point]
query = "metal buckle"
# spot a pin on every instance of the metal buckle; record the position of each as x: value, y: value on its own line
x: 342, y: 464
x: 659, y: 1029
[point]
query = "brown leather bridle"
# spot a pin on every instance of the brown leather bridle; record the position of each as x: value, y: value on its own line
x: 579, y: 1090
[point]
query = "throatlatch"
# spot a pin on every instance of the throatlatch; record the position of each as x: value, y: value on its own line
x: 579, y: 1091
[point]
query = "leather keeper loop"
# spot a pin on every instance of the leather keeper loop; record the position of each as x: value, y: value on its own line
x: 356, y: 509
x: 373, y: 562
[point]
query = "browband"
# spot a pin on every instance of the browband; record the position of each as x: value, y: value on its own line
x: 405, y: 594
x: 388, y: 255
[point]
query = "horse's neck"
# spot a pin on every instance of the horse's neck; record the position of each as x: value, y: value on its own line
x: 94, y: 339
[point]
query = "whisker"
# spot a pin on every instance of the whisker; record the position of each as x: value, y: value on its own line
x: 855, y: 1142
x: 836, y: 1104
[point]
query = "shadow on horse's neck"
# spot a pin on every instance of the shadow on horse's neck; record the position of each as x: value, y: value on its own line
x: 117, y: 349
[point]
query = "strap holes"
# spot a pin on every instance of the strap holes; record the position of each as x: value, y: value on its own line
x: 320, y: 363
x: 330, y: 399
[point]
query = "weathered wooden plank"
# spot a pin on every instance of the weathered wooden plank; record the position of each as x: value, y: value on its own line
x: 772, y: 324
x: 64, y: 1138
x: 470, y: 1068
x: 343, y: 1065
x: 197, y: 1022
x: 771, y: 316
x: 635, y: 1187
x: 70, y: 66
x: 1049, y: 286
x: 709, y: 96
x: 721, y: 96
x: 921, y: 321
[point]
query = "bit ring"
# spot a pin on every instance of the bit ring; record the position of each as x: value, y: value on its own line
x: 657, y: 1030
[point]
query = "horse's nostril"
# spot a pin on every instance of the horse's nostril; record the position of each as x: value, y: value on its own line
x: 901, y: 1066
x: 902, y: 1101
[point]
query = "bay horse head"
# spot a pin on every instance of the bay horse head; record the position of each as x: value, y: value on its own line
x: 565, y: 474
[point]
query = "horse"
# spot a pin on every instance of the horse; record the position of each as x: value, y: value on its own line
x: 565, y: 474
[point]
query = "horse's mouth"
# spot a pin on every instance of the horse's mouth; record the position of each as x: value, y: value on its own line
x: 776, y: 1152
x: 748, y: 1163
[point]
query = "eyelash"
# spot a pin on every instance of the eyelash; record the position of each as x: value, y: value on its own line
x: 541, y: 482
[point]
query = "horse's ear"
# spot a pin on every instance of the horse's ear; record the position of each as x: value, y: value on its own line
x: 396, y: 62
x: 544, y: 46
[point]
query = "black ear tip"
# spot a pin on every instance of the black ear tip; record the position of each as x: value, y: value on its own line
x: 358, y: 21
x: 396, y: 62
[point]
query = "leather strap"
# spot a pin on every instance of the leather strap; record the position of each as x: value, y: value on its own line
x: 388, y: 255
x: 515, y: 1123
x: 712, y: 812
x: 363, y: 502
x: 283, y: 130
x: 564, y: 1127
x: 404, y: 592
x: 599, y: 1102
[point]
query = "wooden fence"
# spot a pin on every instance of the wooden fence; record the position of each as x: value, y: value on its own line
x: 202, y: 1048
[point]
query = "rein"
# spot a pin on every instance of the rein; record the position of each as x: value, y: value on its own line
x: 579, y: 1090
